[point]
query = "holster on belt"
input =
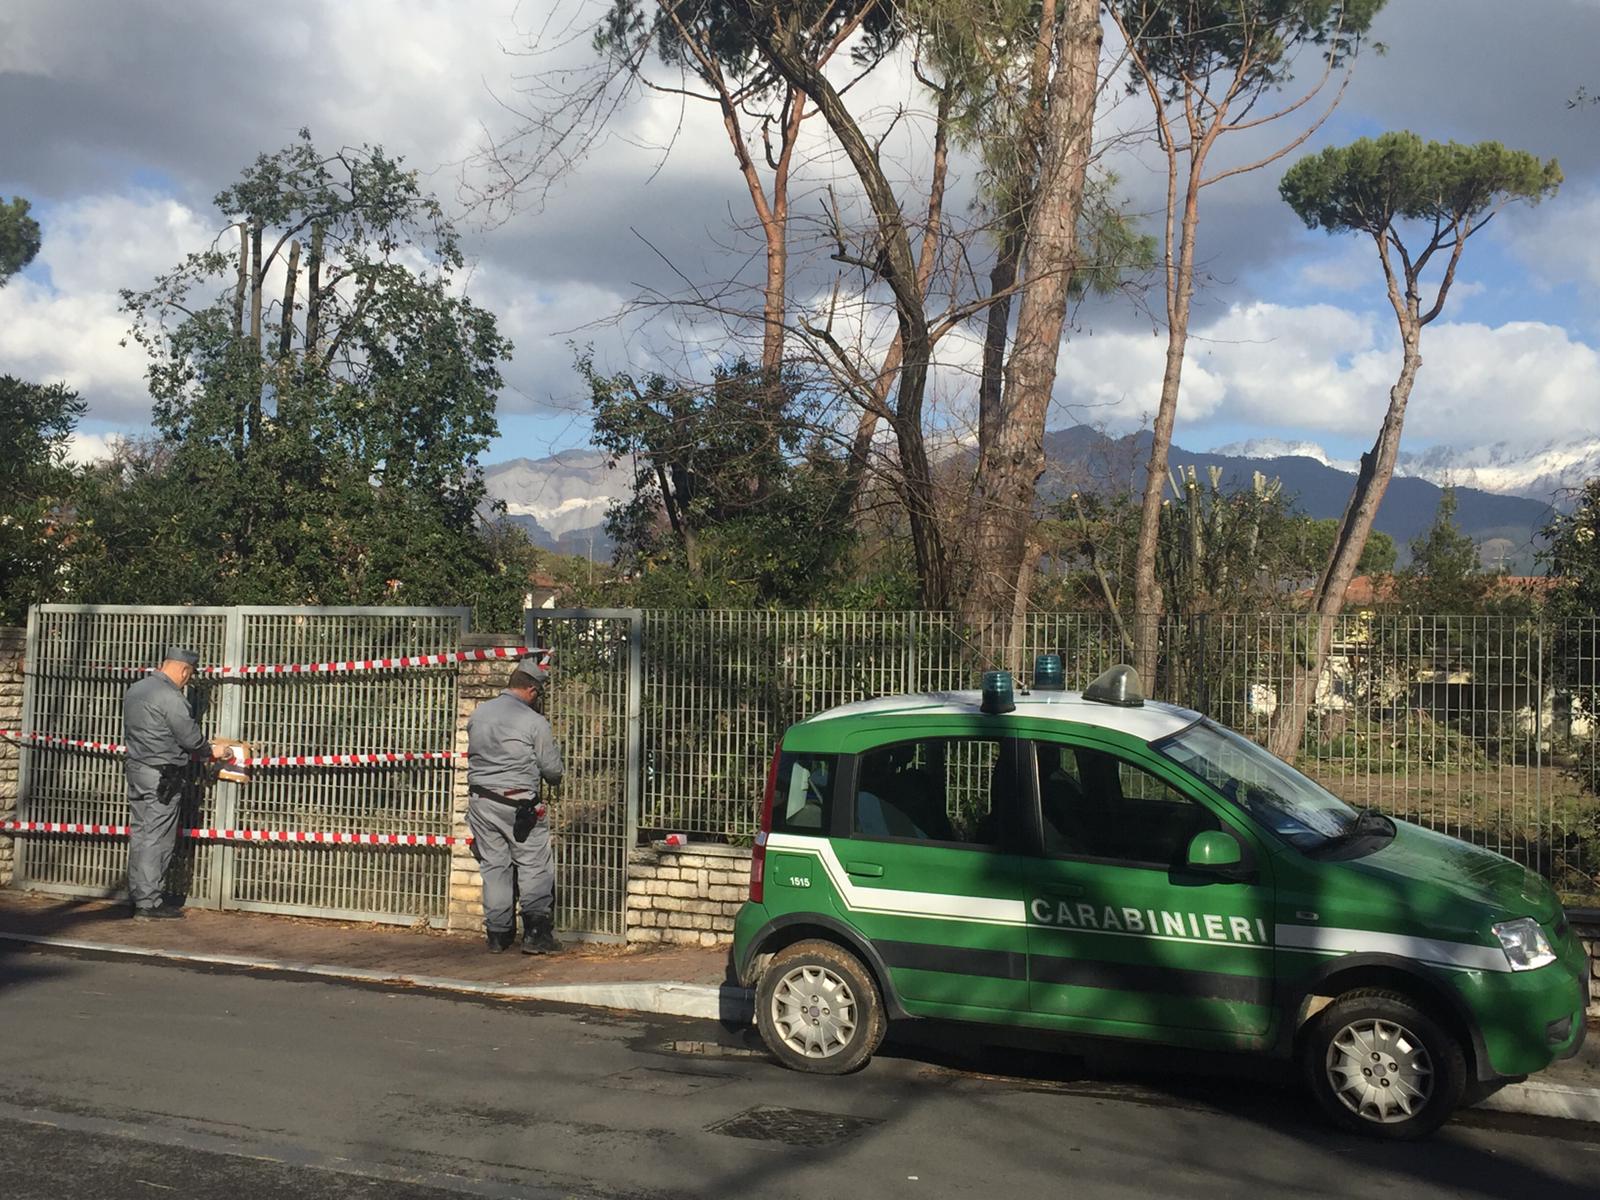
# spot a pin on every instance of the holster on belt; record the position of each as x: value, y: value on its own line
x: 171, y: 785
x: 529, y: 810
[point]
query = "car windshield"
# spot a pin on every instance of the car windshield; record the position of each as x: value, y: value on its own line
x: 1305, y: 814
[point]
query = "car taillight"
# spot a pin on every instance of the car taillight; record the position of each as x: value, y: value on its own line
x: 758, y: 856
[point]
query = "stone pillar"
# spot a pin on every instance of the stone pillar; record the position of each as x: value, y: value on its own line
x: 12, y: 645
x: 475, y: 683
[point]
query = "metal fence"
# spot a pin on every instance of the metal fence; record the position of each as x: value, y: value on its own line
x: 594, y: 714
x: 1481, y: 726
x: 80, y: 661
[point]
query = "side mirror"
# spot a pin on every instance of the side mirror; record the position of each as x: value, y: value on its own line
x: 1219, y: 854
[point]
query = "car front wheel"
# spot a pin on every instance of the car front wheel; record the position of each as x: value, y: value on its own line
x: 1378, y: 1065
x: 818, y: 1009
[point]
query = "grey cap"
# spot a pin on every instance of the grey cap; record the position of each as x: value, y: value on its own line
x: 179, y: 654
x: 534, y: 668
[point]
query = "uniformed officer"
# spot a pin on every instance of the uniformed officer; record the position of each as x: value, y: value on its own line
x: 511, y: 753
x: 162, y: 738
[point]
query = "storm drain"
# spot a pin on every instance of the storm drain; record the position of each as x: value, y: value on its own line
x: 794, y: 1126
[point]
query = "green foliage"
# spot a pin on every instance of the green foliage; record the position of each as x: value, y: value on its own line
x: 1445, y: 574
x: 36, y: 422
x: 726, y: 29
x: 19, y: 238
x: 1313, y: 542
x: 733, y: 503
x: 1371, y: 184
x: 330, y: 455
x: 1188, y: 43
x: 1572, y: 554
x: 1217, y: 550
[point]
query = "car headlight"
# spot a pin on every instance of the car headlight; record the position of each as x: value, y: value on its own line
x: 1525, y: 944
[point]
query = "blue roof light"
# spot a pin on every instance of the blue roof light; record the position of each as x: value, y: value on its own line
x: 997, y: 693
x: 1048, y: 674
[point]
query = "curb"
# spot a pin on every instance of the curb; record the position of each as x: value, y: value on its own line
x: 734, y: 1005
x: 707, y: 1001
x: 1535, y: 1098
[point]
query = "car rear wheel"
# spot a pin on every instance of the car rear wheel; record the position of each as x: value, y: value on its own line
x: 818, y: 1009
x: 1378, y: 1065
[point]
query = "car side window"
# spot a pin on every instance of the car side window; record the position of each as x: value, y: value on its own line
x: 934, y: 790
x: 803, y: 795
x: 1093, y: 804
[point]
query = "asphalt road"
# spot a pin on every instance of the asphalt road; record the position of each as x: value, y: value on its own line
x: 121, y: 1079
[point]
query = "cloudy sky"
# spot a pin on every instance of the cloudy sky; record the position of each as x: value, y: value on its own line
x: 121, y: 121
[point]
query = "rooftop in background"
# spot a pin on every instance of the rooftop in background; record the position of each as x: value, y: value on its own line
x: 1366, y: 591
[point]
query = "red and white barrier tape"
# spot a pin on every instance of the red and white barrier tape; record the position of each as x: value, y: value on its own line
x: 353, y: 760
x: 346, y: 666
x: 309, y: 837
x: 269, y: 760
x: 51, y: 739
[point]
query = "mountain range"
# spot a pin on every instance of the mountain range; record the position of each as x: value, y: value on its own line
x: 1503, y: 496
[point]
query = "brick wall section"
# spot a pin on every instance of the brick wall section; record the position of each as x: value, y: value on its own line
x: 12, y: 643
x: 1587, y: 925
x: 476, y: 683
x: 687, y: 895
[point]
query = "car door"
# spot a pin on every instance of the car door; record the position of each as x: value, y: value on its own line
x: 1121, y: 933
x: 931, y: 873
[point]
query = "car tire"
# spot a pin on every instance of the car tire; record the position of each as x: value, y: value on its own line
x: 819, y: 1010
x: 1379, y: 1065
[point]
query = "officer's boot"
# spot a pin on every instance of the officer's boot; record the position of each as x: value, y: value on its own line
x: 500, y: 940
x: 539, y: 936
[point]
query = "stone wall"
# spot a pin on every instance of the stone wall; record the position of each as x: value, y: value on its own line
x: 1587, y: 924
x: 688, y: 895
x: 477, y: 682
x: 12, y: 643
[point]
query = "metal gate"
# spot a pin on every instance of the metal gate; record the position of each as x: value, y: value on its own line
x: 80, y: 659
x: 594, y: 711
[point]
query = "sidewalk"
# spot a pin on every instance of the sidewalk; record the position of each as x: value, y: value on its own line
x: 671, y: 980
x: 674, y: 980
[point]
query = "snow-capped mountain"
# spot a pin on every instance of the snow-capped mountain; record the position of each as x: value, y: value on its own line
x: 1503, y: 495
x: 561, y: 500
x: 1278, y: 448
x: 1544, y: 473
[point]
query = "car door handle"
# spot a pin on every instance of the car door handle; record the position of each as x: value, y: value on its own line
x: 871, y: 870
x: 1064, y: 890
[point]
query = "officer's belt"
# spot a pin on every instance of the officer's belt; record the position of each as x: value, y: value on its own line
x: 477, y: 789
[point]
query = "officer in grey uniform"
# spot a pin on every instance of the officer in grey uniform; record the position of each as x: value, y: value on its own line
x: 162, y: 738
x: 511, y: 753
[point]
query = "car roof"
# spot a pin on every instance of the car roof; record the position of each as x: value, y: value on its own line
x: 1149, y: 721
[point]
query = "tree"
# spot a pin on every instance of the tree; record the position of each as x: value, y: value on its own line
x: 36, y: 424
x: 1445, y: 574
x: 1012, y: 424
x: 1572, y: 555
x: 1393, y: 188
x: 1207, y: 66
x: 697, y: 529
x: 325, y: 391
x: 19, y: 238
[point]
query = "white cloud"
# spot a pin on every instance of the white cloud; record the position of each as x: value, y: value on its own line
x: 86, y: 448
x: 1323, y: 369
x: 70, y: 329
x: 1558, y: 238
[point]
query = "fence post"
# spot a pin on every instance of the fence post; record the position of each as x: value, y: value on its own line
x: 229, y: 725
x: 13, y: 662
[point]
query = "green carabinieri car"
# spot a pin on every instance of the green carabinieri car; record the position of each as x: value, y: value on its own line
x: 1099, y: 865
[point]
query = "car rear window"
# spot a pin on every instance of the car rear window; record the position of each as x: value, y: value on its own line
x: 803, y: 802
